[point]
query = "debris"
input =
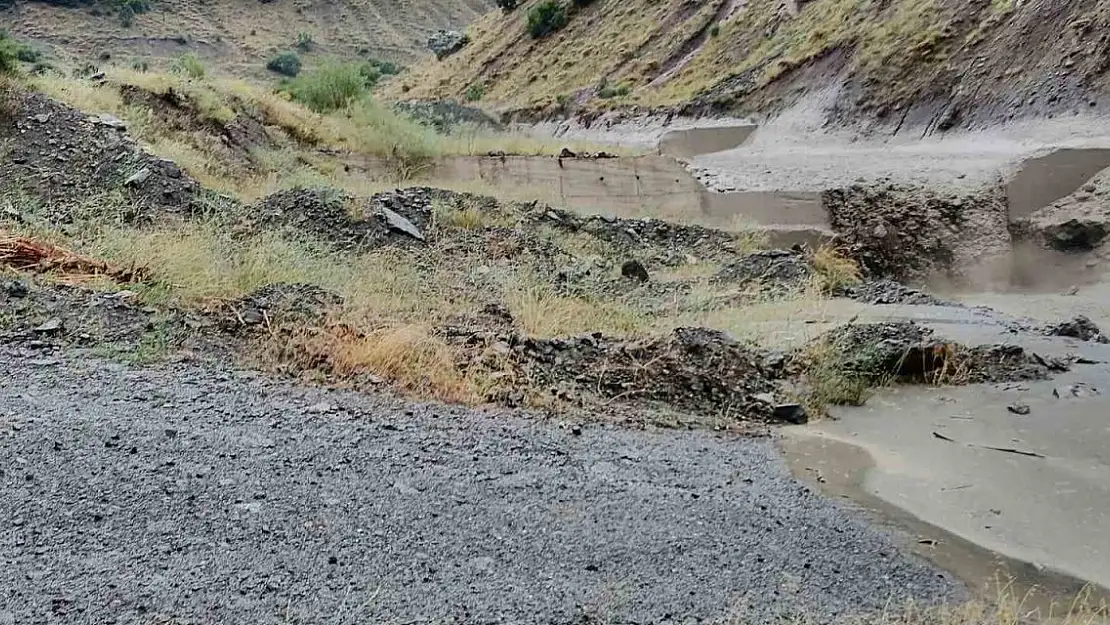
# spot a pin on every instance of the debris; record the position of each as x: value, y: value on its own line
x: 50, y: 326
x: 1019, y: 408
x: 138, y: 177
x: 790, y: 413
x: 567, y: 153
x: 26, y: 254
x: 1008, y: 450
x: 1080, y: 327
x: 400, y: 224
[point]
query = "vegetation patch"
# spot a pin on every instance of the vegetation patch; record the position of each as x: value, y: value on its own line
x: 545, y: 18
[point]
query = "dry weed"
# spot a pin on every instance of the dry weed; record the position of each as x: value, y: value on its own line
x: 834, y: 269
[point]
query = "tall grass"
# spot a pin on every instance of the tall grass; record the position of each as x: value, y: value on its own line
x: 329, y: 88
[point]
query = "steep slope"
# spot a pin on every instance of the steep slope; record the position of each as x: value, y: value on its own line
x: 237, y: 34
x: 919, y: 63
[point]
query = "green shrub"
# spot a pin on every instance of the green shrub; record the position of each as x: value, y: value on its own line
x: 546, y: 18
x: 385, y: 68
x: 605, y: 91
x: 140, y: 66
x: 714, y: 30
x: 189, y: 65
x: 304, y: 42
x: 9, y: 55
x: 475, y: 92
x: 507, y: 6
x: 286, y: 63
x: 329, y: 88
x: 27, y: 54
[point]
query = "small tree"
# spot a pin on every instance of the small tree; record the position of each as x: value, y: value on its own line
x: 546, y: 18
x: 286, y: 63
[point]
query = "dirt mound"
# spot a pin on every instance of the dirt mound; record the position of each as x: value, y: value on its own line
x: 773, y: 269
x: 1080, y: 328
x: 698, y: 370
x: 62, y: 158
x: 47, y: 316
x: 889, y: 292
x: 1079, y: 222
x: 908, y: 234
x: 279, y: 304
x: 908, y: 352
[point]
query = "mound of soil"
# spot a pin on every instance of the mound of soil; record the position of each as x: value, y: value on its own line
x: 44, y: 316
x: 65, y: 158
x: 1079, y: 222
x: 907, y: 233
x: 890, y: 292
x: 909, y: 352
x: 698, y: 370
x: 280, y: 304
x: 1080, y: 328
x: 775, y: 269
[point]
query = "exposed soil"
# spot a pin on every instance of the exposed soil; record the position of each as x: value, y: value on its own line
x: 63, y: 160
x: 908, y: 233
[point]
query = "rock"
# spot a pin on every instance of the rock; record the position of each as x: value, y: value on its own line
x: 252, y: 317
x: 53, y: 325
x: 790, y: 413
x: 1075, y: 234
x: 16, y: 289
x: 138, y: 177
x: 400, y: 224
x: 567, y: 153
x: 1019, y: 408
x: 576, y: 430
x: 321, y: 408
x: 110, y: 121
x: 635, y: 270
x: 42, y: 118
x: 444, y: 43
x: 1080, y: 328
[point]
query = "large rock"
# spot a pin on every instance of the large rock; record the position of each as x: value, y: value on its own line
x: 444, y: 43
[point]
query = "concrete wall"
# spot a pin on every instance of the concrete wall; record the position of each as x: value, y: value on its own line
x: 694, y: 141
x: 1041, y: 181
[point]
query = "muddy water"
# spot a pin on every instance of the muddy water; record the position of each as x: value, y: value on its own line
x: 839, y: 470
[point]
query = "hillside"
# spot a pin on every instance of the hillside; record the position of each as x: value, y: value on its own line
x: 921, y: 63
x: 238, y: 35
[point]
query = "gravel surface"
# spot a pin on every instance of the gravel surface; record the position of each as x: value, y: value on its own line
x: 189, y: 494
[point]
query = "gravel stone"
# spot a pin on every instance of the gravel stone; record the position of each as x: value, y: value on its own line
x: 256, y: 512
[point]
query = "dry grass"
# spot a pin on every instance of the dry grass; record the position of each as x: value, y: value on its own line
x: 306, y: 148
x: 834, y: 269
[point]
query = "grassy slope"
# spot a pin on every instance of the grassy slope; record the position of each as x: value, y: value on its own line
x: 754, y: 55
x: 241, y: 35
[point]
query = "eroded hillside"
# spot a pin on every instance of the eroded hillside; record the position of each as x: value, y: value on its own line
x: 237, y: 35
x: 914, y: 63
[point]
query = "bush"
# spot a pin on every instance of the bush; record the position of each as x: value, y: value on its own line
x: 582, y: 3
x: 329, y: 88
x: 475, y: 93
x: 385, y: 68
x: 714, y: 30
x: 605, y: 91
x: 507, y: 6
x: 546, y: 18
x: 285, y: 63
x: 304, y: 42
x: 27, y: 54
x: 189, y: 65
x: 9, y: 54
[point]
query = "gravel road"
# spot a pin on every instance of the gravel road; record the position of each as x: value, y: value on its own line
x: 190, y: 494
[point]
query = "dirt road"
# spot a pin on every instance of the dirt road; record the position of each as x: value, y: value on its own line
x: 201, y: 495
